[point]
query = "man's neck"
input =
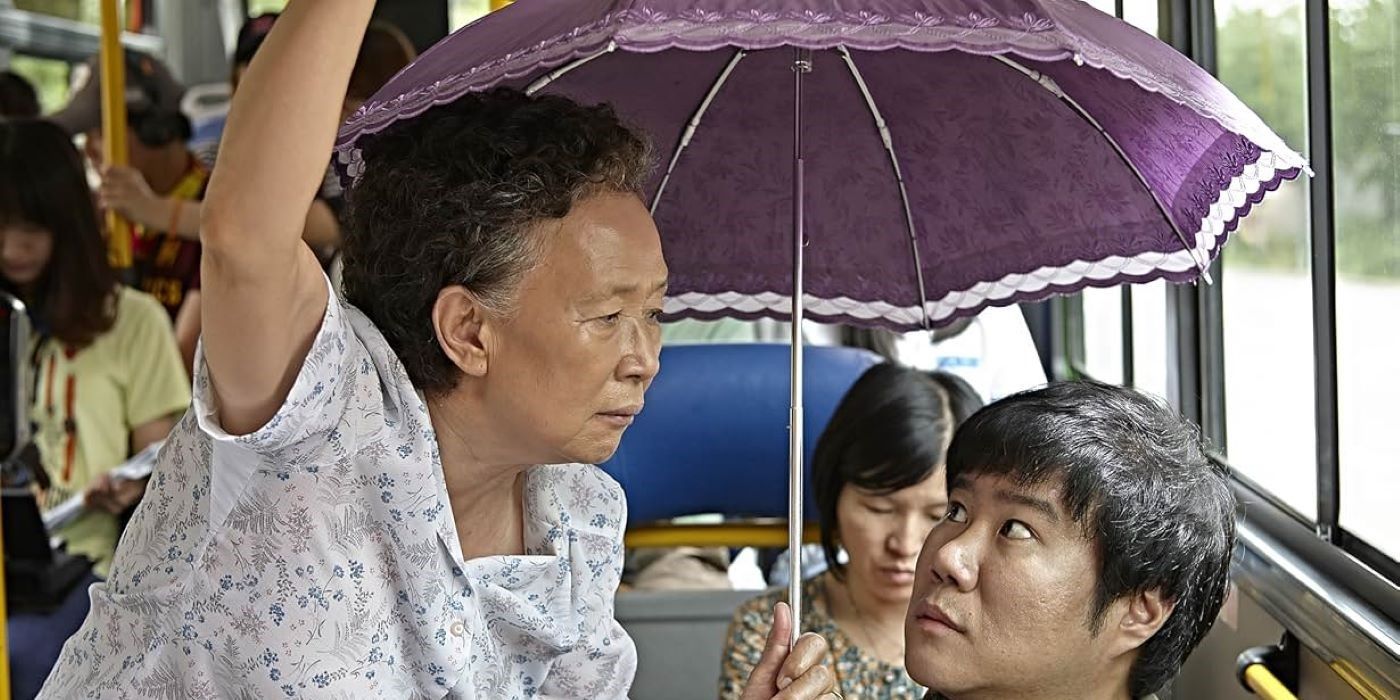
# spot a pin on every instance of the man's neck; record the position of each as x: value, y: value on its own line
x: 1077, y: 689
x: 485, y: 494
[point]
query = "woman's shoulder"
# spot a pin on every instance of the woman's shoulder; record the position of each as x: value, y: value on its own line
x: 580, y: 497
x: 760, y: 607
x: 575, y: 488
x: 134, y: 305
x: 140, y: 320
x: 758, y: 610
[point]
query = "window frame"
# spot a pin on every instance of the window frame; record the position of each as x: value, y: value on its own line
x: 1304, y: 552
x: 46, y: 36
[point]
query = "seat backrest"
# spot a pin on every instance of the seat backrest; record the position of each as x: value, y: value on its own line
x: 713, y: 437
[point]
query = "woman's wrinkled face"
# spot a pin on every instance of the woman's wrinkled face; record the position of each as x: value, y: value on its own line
x: 25, y: 251
x: 569, y: 368
x: 882, y: 533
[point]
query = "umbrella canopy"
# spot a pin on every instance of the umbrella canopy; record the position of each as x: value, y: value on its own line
x: 958, y: 153
x: 900, y: 163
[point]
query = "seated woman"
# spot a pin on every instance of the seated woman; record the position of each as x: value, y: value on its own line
x: 879, y: 482
x: 107, y: 377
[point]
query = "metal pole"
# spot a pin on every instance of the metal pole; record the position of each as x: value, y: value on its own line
x: 801, y: 66
x: 113, y: 75
x: 1324, y: 273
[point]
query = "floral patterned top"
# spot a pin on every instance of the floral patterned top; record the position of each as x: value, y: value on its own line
x: 859, y: 674
x: 318, y: 558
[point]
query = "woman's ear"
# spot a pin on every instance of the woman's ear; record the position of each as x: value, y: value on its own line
x: 460, y: 323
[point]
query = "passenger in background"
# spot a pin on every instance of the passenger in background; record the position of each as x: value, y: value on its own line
x: 1085, y: 554
x: 993, y: 351
x: 107, y: 380
x: 879, y: 484
x: 385, y: 51
x: 676, y: 569
x: 18, y: 100
x: 166, y: 265
x: 322, y: 228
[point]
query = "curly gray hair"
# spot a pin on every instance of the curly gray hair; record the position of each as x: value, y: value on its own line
x: 451, y: 198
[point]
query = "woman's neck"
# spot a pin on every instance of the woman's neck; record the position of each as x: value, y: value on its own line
x: 876, y: 627
x: 486, y: 497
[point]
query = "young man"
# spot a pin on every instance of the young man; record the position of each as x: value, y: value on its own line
x: 1085, y: 554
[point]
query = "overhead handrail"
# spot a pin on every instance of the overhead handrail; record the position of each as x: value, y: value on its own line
x: 1252, y: 668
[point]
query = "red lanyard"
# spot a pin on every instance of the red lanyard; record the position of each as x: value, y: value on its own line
x: 70, y: 400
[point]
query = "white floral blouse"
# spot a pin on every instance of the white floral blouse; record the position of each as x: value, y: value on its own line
x: 318, y: 558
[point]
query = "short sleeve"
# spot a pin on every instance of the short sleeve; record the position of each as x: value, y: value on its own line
x: 314, y: 407
x: 743, y: 645
x: 154, y: 375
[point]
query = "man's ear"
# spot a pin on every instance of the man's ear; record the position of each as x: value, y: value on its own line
x: 1143, y: 614
x: 462, y: 328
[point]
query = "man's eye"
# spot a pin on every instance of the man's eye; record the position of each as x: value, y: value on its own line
x: 956, y: 513
x: 1016, y: 530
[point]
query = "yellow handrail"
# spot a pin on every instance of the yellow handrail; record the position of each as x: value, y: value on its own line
x: 1264, y: 684
x: 1358, y: 682
x: 751, y: 534
x: 112, y: 66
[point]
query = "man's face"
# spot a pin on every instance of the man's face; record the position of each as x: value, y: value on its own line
x: 1002, y: 598
x: 567, y: 371
x: 140, y: 156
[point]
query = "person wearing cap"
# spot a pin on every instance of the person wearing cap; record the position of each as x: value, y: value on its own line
x: 166, y: 265
x: 384, y: 51
x: 322, y: 228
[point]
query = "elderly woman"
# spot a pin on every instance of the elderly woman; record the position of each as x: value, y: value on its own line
x: 880, y: 488
x: 362, y: 503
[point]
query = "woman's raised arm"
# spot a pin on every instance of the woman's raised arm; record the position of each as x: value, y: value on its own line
x: 263, y: 291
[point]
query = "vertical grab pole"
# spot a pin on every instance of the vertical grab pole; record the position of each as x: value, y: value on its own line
x: 802, y: 65
x: 112, y: 66
x: 12, y: 314
x: 4, y: 626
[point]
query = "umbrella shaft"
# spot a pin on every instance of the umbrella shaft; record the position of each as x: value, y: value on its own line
x: 800, y: 68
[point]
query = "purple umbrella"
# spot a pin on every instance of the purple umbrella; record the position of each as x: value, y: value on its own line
x: 957, y: 153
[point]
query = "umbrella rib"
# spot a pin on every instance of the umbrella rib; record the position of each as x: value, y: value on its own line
x: 694, y: 124
x: 559, y: 72
x: 888, y: 141
x: 1054, y: 88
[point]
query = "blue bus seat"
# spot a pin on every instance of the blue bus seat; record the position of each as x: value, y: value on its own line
x: 713, y: 437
